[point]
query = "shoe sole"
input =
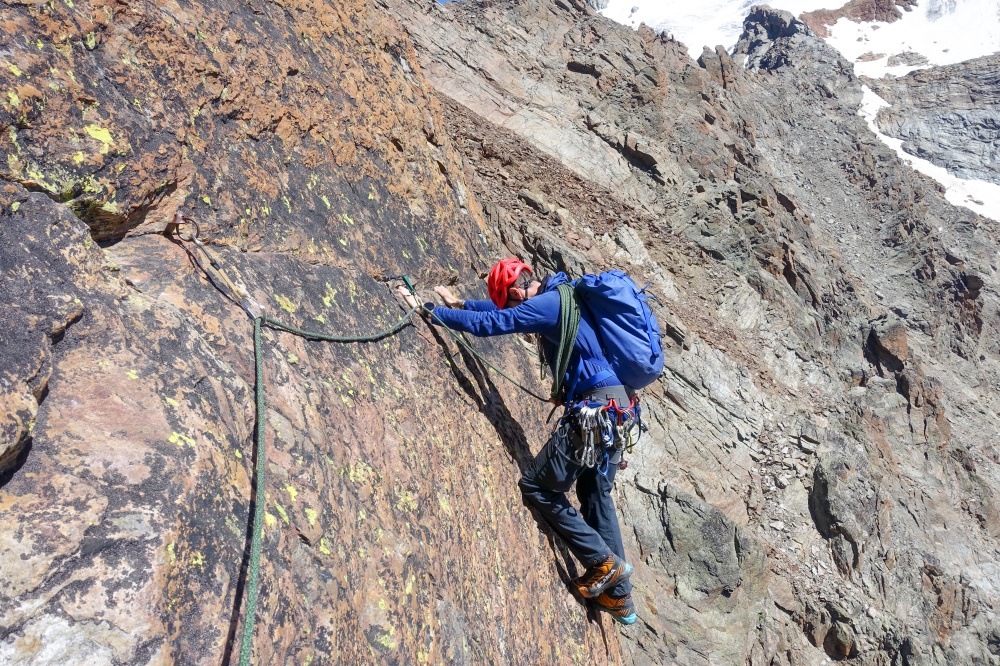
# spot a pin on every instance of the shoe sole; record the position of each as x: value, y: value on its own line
x: 594, y: 592
x: 626, y: 620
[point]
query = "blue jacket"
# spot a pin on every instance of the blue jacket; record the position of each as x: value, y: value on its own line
x: 539, y: 314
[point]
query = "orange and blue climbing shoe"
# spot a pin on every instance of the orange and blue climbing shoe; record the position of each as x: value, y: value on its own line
x: 621, y: 609
x: 601, y: 576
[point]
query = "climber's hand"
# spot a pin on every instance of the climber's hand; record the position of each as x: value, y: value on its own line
x: 408, y: 298
x: 449, y: 298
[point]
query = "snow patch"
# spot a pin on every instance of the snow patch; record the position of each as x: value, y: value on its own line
x: 976, y: 195
x: 698, y: 24
x: 942, y: 31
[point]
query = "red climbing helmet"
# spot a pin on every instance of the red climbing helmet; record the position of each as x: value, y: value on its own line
x: 502, y: 277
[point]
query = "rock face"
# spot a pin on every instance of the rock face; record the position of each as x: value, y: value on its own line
x: 948, y: 115
x: 812, y: 394
x: 771, y: 36
x: 303, y: 138
x: 820, y: 475
x: 859, y: 11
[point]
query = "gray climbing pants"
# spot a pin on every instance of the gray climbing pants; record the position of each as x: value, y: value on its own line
x: 591, y: 533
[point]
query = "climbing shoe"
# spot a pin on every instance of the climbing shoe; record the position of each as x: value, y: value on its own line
x: 601, y: 576
x: 621, y: 609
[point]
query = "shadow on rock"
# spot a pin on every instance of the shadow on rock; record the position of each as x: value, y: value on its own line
x: 491, y: 404
x: 16, y: 463
x: 489, y: 401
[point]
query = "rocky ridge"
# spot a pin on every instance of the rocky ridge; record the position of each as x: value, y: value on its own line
x: 884, y: 11
x: 947, y: 115
x: 800, y: 262
x: 819, y: 480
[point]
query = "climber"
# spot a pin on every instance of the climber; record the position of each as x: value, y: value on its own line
x: 520, y: 304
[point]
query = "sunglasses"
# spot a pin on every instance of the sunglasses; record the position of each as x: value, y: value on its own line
x: 523, y: 282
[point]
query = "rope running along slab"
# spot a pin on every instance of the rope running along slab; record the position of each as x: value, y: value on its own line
x: 240, y: 295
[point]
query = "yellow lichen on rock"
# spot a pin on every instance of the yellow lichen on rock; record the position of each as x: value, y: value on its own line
x: 101, y: 134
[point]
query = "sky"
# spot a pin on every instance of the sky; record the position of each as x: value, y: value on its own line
x: 942, y: 31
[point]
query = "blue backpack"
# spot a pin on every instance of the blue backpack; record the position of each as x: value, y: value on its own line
x: 625, y: 325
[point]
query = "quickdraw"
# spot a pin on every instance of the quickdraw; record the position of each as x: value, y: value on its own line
x: 237, y: 290
x: 610, y: 425
x: 591, y: 422
x: 628, y: 422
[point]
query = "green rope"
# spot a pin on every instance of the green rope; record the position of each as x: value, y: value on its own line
x: 253, y: 573
x: 569, y: 327
x: 253, y: 570
x: 310, y: 335
x: 238, y: 295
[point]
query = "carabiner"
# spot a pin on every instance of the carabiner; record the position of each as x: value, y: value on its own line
x: 607, y: 430
x: 237, y: 290
x: 604, y: 464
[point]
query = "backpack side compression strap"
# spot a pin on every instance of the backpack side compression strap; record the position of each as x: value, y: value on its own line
x: 569, y: 326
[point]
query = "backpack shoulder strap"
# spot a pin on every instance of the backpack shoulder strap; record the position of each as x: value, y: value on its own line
x: 569, y: 327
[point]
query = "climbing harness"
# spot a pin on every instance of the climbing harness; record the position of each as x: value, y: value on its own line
x: 216, y: 271
x: 607, y: 432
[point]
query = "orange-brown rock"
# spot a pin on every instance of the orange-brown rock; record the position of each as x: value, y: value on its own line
x: 819, y: 475
x: 302, y: 137
x: 859, y: 11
